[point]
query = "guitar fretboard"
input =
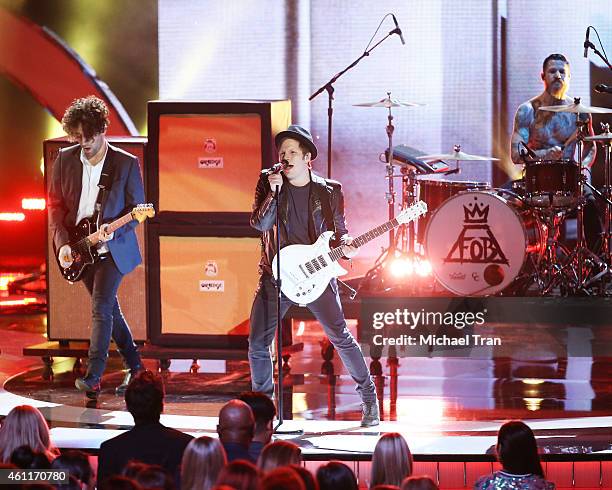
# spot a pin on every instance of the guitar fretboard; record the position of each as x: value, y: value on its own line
x: 337, y: 253
x: 114, y: 225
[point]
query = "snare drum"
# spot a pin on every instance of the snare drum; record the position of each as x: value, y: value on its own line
x: 435, y: 191
x: 552, y: 183
x: 477, y: 242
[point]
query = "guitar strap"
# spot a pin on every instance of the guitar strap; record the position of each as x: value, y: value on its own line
x: 105, y: 184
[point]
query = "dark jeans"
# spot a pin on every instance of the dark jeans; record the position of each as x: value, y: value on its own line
x: 327, y: 309
x: 102, y: 280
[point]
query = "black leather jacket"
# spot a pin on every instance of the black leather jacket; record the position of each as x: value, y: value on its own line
x: 263, y: 216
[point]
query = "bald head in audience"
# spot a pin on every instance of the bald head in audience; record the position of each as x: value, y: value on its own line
x: 236, y: 423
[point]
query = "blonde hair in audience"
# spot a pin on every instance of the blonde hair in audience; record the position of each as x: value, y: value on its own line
x: 391, y: 460
x: 25, y: 426
x: 202, y: 461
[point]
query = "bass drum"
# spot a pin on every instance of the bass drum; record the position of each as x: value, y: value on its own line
x: 478, y: 242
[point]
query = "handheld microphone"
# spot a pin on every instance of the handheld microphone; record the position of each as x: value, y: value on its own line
x: 603, y: 89
x: 586, y: 42
x: 397, y: 30
x: 276, y: 168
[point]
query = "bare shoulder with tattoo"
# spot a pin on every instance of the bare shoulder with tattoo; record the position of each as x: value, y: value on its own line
x: 523, y: 120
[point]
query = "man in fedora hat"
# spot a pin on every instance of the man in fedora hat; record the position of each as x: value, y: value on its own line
x: 309, y: 206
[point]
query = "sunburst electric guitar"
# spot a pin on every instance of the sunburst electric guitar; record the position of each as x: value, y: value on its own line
x: 307, y: 269
x: 84, y: 238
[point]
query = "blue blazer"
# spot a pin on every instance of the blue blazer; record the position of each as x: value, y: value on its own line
x: 126, y: 192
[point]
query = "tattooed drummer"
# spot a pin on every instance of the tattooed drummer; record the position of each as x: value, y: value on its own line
x: 551, y: 135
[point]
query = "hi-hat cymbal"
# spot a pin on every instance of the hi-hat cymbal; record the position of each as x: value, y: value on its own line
x: 576, y: 108
x: 600, y: 137
x: 458, y: 155
x: 388, y: 102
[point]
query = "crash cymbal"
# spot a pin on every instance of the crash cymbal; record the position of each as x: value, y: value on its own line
x: 388, y: 102
x: 600, y: 137
x: 459, y: 156
x: 576, y: 108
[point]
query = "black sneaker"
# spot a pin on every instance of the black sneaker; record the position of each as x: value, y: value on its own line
x: 370, y: 416
x: 89, y: 386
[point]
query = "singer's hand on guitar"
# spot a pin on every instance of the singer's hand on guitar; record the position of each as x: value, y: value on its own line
x: 103, y: 234
x: 65, y: 256
x: 275, y: 180
x: 347, y: 249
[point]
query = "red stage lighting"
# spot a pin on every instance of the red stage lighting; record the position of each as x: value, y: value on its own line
x: 12, y: 217
x: 33, y: 203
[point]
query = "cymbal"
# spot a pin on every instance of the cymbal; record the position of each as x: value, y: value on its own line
x: 576, y: 108
x: 388, y: 102
x: 600, y: 137
x: 458, y: 155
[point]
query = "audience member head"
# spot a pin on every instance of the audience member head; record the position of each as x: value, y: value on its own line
x: 240, y: 475
x: 24, y: 458
x: 517, y: 449
x: 236, y: 423
x: 264, y: 411
x: 149, y: 476
x: 144, y: 397
x: 25, y: 426
x: 203, y: 459
x: 335, y: 475
x: 279, y: 453
x: 282, y: 479
x: 307, y: 478
x: 419, y: 483
x: 391, y: 460
x: 76, y: 463
x: 118, y: 482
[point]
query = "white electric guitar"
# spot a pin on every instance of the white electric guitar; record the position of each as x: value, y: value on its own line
x: 307, y: 269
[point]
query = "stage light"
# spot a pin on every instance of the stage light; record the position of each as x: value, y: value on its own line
x: 6, y: 278
x: 33, y: 203
x: 532, y: 381
x: 401, y: 267
x: 533, y: 404
x: 12, y: 216
x: 423, y: 268
x: 301, y: 328
x: 17, y: 302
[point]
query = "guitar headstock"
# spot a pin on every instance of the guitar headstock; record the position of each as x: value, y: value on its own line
x: 143, y: 211
x: 413, y: 212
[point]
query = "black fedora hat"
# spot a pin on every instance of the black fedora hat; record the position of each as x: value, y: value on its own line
x: 297, y: 133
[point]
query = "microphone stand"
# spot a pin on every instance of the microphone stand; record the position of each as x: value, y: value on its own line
x: 596, y: 51
x: 279, y: 326
x: 330, y: 93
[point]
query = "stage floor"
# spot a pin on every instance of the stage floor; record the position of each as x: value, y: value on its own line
x: 445, y: 407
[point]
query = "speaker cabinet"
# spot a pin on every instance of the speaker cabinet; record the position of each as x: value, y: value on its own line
x: 206, y: 286
x: 69, y: 305
x: 204, y: 160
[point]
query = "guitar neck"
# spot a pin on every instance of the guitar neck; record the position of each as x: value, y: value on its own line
x: 112, y: 227
x: 361, y: 240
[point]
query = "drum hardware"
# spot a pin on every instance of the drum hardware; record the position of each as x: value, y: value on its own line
x: 458, y: 156
x: 605, y: 140
x: 408, y: 172
x: 581, y: 260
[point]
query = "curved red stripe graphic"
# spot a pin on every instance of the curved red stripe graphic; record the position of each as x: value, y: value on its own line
x: 35, y: 59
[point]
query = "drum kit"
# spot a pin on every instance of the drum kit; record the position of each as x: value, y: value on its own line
x: 482, y: 241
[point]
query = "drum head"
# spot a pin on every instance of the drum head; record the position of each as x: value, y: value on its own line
x: 476, y: 243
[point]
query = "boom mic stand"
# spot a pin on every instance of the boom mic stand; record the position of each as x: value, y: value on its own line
x: 329, y: 87
x: 279, y: 326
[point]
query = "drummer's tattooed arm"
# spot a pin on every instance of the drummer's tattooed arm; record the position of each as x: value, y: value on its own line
x: 522, y: 121
x: 589, y: 150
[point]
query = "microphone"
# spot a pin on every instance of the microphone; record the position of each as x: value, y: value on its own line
x: 397, y: 30
x: 603, y: 89
x: 586, y: 42
x: 276, y: 168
